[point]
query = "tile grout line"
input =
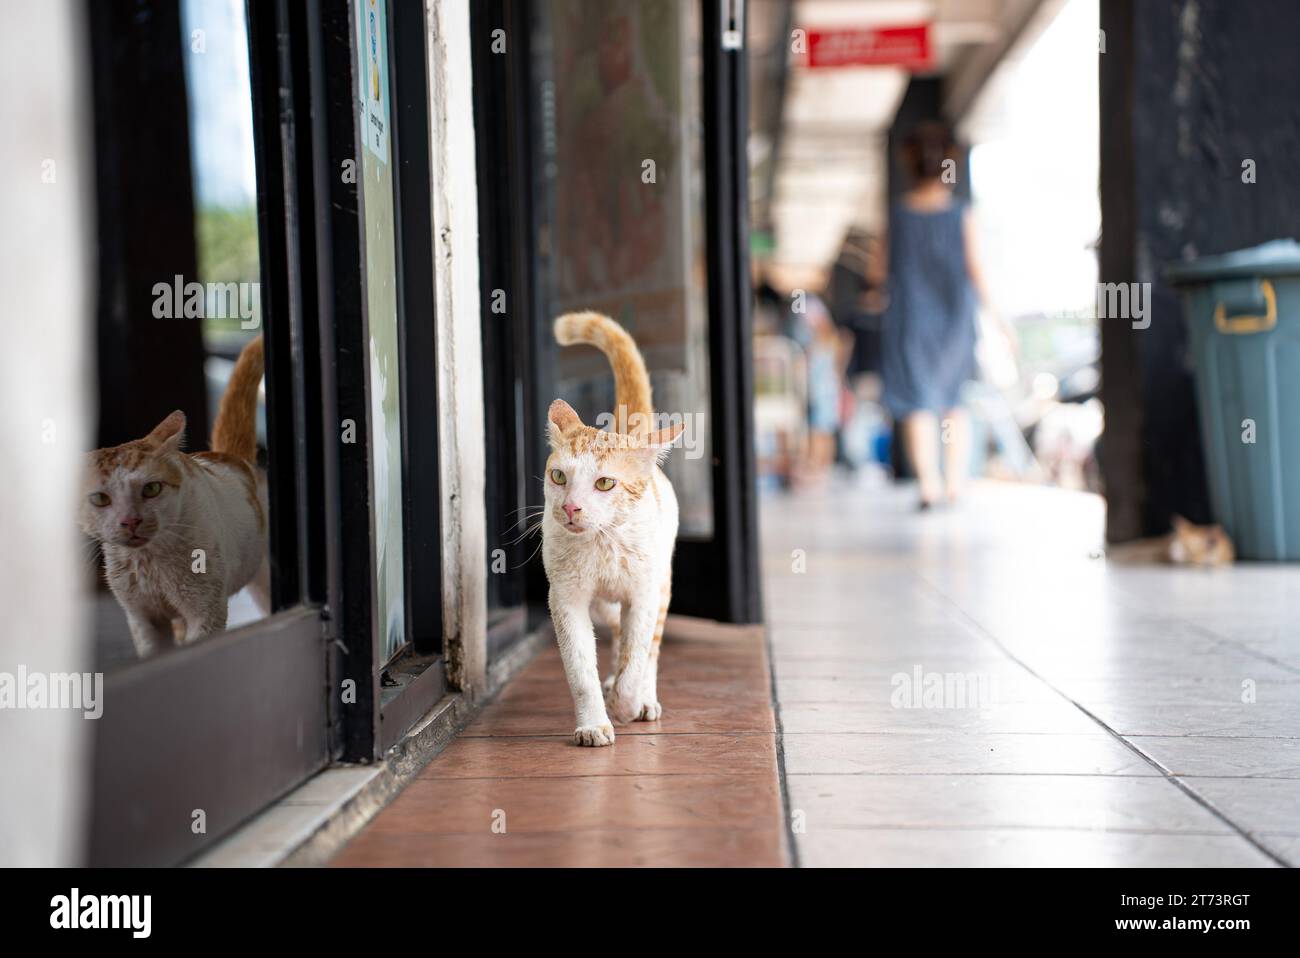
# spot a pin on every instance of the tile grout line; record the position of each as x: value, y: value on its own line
x: 787, y: 826
x: 1134, y: 602
x: 1196, y: 833
x: 1165, y: 773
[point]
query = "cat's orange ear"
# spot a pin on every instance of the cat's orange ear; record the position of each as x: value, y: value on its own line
x: 562, y: 418
x: 666, y: 436
x: 655, y: 450
x: 1180, y: 524
x: 168, y: 432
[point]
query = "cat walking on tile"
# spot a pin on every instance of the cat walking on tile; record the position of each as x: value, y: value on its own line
x: 608, y: 530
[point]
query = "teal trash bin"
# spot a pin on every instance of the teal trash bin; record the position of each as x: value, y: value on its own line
x: 1244, y: 312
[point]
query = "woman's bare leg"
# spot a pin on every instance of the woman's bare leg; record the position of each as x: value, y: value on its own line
x: 956, y: 452
x: 920, y: 439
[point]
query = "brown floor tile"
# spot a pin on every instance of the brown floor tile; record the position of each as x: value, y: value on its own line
x: 697, y: 788
x: 635, y: 755
x: 470, y: 806
x: 657, y: 847
x: 680, y: 717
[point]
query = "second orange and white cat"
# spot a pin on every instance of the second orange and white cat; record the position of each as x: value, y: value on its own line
x: 182, y: 532
x: 1187, y: 544
x: 608, y: 530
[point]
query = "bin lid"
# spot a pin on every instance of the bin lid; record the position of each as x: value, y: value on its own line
x: 1280, y: 257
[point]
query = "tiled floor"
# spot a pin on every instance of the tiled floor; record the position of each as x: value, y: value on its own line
x: 967, y: 687
x: 698, y: 787
x: 1067, y: 710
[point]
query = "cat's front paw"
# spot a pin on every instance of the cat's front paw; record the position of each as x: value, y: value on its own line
x: 623, y: 708
x: 593, y: 736
x: 650, y: 712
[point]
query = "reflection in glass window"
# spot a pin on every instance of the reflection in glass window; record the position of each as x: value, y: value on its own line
x: 622, y: 134
x: 225, y: 184
x: 218, y: 89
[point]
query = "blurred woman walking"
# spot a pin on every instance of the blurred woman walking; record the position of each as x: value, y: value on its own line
x: 929, y: 330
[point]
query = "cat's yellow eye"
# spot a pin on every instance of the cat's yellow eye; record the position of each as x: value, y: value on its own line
x: 557, y: 477
x: 99, y: 499
x: 151, y: 489
x: 604, y: 483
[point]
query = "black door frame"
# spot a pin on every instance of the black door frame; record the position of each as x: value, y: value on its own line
x: 513, y: 350
x: 718, y: 578
x: 374, y: 702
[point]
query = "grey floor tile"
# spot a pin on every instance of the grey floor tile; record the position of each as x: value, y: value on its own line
x: 1099, y: 803
x: 1033, y: 718
x: 833, y: 666
x: 1255, y: 805
x: 1023, y: 848
x: 1239, y: 720
x: 1226, y: 685
x: 1223, y: 757
x: 1009, y: 580
x: 1003, y: 684
x: 1003, y: 754
x: 1285, y: 847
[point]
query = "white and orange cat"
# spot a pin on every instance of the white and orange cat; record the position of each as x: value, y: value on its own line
x: 1187, y: 544
x: 608, y: 530
x: 181, y: 532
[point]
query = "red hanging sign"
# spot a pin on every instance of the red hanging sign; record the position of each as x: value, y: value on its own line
x: 884, y: 46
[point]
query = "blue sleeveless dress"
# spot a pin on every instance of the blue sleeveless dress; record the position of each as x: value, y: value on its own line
x: 928, y: 334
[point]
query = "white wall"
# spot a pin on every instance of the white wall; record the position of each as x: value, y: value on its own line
x: 45, y: 421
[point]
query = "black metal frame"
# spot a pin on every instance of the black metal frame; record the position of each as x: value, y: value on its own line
x: 415, y: 679
x: 416, y: 309
x: 719, y: 578
x: 232, y: 723
x: 388, y: 700
x: 516, y: 343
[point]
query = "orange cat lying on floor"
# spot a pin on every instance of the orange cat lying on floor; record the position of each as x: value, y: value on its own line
x: 1187, y: 544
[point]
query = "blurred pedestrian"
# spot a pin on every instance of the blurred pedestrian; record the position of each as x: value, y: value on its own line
x: 827, y: 354
x: 929, y: 330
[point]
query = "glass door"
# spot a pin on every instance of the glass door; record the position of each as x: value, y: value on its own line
x: 383, y: 364
x: 263, y: 170
x: 614, y: 172
x: 214, y: 708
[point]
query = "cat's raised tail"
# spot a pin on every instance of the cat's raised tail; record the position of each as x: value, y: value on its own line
x: 235, y: 431
x: 635, y: 413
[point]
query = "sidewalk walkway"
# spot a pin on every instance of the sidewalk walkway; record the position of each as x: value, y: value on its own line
x: 698, y: 787
x: 965, y: 687
x: 1064, y: 710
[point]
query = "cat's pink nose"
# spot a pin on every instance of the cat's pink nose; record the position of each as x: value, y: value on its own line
x: 130, y: 522
x: 571, y: 510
